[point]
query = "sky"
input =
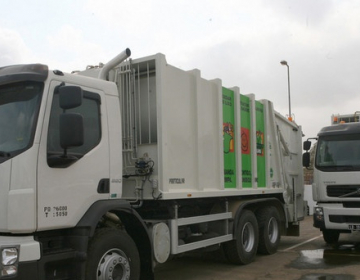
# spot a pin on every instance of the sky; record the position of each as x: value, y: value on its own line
x: 239, y: 41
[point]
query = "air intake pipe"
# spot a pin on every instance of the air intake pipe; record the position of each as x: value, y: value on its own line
x: 112, y: 63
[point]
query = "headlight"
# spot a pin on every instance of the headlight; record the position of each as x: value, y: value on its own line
x: 9, y: 256
x: 9, y: 261
x: 319, y: 214
x: 319, y: 211
x: 9, y: 270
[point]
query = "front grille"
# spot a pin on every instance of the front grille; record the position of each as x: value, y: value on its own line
x: 340, y: 190
x: 351, y: 204
x: 339, y: 219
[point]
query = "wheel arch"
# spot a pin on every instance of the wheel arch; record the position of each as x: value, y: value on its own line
x: 133, y: 223
x: 237, y: 206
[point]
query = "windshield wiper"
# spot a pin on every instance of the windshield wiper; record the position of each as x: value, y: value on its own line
x: 4, y: 154
x: 351, y: 193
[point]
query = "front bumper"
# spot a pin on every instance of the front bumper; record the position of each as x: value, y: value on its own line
x: 335, y: 216
x: 25, y: 263
x: 26, y: 271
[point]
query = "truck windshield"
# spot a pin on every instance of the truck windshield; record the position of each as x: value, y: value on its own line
x: 19, y: 106
x: 338, y: 153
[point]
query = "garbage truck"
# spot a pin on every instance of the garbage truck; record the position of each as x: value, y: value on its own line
x: 345, y: 118
x: 336, y: 170
x: 107, y: 172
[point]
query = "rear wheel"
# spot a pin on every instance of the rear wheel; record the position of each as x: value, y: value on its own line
x: 112, y: 254
x: 331, y: 236
x: 242, y: 250
x: 269, y: 230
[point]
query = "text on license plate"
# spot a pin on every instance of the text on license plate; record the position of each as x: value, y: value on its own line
x: 354, y: 227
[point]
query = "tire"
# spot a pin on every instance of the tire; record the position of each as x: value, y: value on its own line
x: 112, y: 254
x: 269, y: 230
x: 242, y: 250
x: 331, y: 236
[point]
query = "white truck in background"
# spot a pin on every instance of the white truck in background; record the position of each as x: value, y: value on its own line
x: 107, y: 172
x: 336, y: 184
x: 345, y: 118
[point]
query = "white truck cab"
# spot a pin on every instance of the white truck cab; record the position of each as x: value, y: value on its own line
x: 336, y: 186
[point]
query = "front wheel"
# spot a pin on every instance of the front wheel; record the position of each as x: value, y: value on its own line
x: 331, y: 236
x: 243, y: 249
x: 112, y: 254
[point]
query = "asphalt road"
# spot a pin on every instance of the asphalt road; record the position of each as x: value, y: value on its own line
x: 306, y: 257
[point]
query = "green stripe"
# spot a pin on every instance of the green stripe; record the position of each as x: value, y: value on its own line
x: 229, y: 138
x: 245, y: 142
x: 260, y: 144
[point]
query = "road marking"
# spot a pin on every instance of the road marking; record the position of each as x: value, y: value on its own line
x: 302, y: 243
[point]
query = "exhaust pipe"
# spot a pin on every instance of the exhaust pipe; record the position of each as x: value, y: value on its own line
x: 112, y: 63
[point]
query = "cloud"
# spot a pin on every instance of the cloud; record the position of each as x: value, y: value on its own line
x: 241, y: 42
x: 69, y: 50
x: 12, y: 48
x: 305, y: 12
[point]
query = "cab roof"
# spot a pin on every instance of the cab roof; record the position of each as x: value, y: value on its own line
x: 23, y: 72
x: 338, y: 129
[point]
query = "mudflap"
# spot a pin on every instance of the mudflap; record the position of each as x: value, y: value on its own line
x: 293, y: 229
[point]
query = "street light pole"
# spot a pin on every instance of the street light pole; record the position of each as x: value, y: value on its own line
x: 284, y: 62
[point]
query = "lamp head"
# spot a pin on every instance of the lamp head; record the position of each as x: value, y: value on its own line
x: 283, y: 62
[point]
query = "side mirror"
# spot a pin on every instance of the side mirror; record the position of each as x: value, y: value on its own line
x: 306, y: 159
x: 307, y: 145
x: 71, y: 130
x: 70, y: 97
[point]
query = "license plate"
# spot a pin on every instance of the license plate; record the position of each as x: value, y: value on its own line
x: 354, y: 227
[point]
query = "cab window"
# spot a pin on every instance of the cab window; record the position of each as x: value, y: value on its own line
x: 90, y: 111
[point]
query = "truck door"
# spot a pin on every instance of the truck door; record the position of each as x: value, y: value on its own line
x: 70, y: 181
x: 298, y: 197
x: 294, y: 169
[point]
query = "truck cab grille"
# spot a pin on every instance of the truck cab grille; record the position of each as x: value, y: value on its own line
x: 342, y: 190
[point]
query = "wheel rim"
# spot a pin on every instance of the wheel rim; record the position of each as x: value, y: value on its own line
x: 273, y: 230
x: 248, y: 237
x: 113, y: 265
